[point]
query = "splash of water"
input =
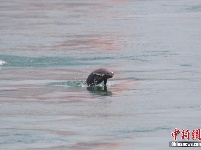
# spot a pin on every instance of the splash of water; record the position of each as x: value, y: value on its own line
x: 2, y: 62
x: 76, y: 83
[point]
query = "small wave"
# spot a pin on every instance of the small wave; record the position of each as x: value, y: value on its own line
x: 22, y: 61
x: 145, y: 130
x: 2, y: 62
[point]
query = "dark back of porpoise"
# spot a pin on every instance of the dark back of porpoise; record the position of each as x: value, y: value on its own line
x: 99, y: 75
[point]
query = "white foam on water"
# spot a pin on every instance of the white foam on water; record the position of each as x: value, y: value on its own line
x: 2, y: 62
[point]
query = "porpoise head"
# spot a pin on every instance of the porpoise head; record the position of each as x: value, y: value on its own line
x: 104, y: 72
x: 98, y: 76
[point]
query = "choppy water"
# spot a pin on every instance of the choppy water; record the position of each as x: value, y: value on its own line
x: 48, y: 48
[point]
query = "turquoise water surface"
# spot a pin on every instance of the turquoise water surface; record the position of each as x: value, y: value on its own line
x: 48, y: 48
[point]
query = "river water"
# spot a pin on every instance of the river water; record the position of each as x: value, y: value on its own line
x: 48, y: 48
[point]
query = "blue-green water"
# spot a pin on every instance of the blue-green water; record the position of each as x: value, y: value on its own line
x: 47, y: 50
